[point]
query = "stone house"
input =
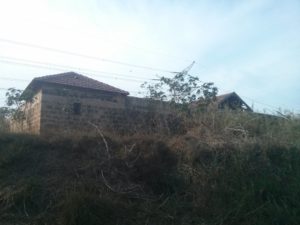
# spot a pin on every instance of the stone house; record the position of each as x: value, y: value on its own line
x: 69, y: 103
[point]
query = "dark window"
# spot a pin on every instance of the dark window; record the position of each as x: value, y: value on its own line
x: 76, y: 108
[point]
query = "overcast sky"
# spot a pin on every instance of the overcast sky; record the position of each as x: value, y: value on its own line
x: 250, y: 47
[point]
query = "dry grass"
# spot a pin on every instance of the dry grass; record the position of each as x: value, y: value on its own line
x: 227, y: 169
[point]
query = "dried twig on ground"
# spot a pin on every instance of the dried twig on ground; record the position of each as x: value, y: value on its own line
x: 102, y: 136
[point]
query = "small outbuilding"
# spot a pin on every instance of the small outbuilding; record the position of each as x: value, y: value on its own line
x: 61, y: 102
x: 70, y: 104
x: 231, y: 101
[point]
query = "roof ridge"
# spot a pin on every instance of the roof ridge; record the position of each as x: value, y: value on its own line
x: 78, y: 80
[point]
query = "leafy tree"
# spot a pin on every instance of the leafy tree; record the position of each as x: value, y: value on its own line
x: 15, y: 99
x: 183, y: 89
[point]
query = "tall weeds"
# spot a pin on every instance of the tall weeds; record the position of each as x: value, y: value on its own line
x: 228, y: 168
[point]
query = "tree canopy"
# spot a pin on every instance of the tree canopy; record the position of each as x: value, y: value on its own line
x: 14, y: 102
x: 182, y: 88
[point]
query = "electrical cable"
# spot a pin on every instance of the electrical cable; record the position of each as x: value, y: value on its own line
x: 97, y: 36
x: 64, y: 69
x: 13, y: 79
x: 83, y: 55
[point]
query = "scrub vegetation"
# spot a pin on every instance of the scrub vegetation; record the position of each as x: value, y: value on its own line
x: 228, y: 168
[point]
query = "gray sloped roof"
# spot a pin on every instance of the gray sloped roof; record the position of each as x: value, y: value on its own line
x: 222, y: 98
x: 77, y: 80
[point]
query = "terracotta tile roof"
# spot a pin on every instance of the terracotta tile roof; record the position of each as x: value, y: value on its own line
x: 77, y: 80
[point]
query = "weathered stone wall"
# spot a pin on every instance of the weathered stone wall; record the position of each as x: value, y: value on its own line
x: 29, y: 120
x: 76, y: 111
x: 147, y: 105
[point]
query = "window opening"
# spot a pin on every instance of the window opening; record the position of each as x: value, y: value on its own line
x: 76, y: 108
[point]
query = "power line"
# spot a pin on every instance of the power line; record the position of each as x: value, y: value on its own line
x: 255, y: 101
x: 96, y: 35
x: 63, y: 69
x: 83, y: 55
x: 259, y: 102
x: 13, y: 79
x: 272, y: 108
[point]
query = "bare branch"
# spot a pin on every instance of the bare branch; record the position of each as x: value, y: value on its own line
x: 102, y: 136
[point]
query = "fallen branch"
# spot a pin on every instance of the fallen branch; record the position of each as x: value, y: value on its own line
x: 103, y: 138
x: 25, y: 210
x: 106, y: 183
x: 130, y: 149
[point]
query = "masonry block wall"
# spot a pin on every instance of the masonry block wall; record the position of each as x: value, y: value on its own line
x: 68, y: 111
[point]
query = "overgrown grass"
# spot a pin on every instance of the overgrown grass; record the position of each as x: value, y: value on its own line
x: 229, y: 168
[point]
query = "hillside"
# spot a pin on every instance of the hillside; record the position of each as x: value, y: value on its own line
x: 229, y: 169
